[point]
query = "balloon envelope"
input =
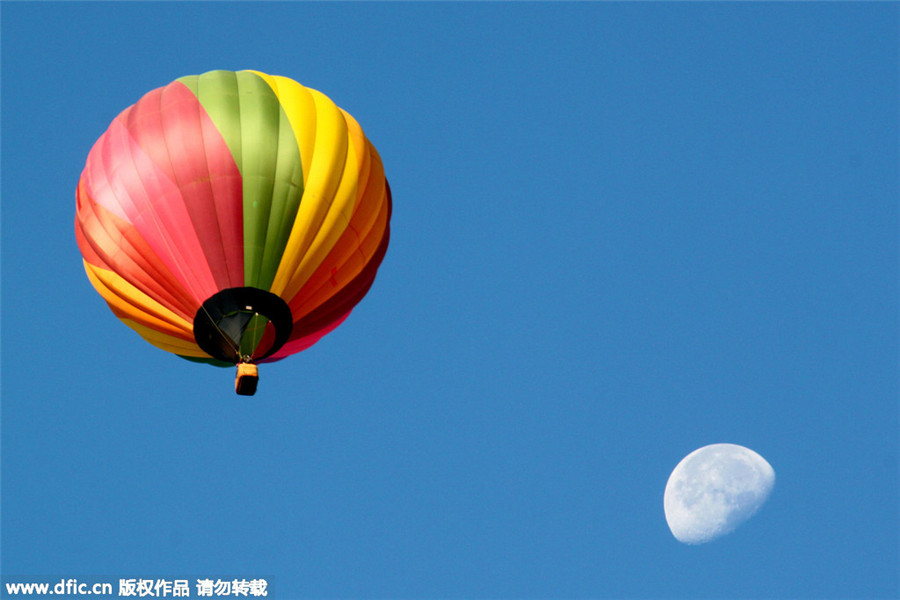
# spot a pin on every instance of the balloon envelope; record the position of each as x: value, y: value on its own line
x: 233, y: 216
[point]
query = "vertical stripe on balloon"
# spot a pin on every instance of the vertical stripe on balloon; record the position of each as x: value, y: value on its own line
x: 256, y: 130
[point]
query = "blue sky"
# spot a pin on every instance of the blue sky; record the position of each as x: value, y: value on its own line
x: 621, y: 231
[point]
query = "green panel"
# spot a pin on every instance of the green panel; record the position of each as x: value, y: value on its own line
x: 255, y: 127
x: 253, y: 333
x: 217, y: 92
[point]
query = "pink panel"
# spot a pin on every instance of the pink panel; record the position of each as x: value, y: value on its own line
x: 164, y: 168
x: 300, y: 344
x: 172, y: 127
x: 128, y: 183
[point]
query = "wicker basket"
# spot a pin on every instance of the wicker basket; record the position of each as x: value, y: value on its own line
x: 246, y: 380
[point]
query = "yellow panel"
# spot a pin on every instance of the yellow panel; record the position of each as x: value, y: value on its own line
x: 328, y: 198
x: 300, y: 108
x: 167, y: 342
x: 344, y: 197
x: 336, y: 221
x: 127, y: 301
x: 353, y: 250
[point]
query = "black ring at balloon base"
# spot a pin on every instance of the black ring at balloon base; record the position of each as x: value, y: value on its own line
x: 224, y: 318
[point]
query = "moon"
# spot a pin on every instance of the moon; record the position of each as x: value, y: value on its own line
x: 714, y: 489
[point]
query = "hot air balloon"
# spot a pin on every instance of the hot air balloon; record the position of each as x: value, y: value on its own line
x: 233, y: 218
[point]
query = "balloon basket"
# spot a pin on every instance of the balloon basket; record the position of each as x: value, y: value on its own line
x: 246, y: 380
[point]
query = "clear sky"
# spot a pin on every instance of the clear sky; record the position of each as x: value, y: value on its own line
x: 621, y: 231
